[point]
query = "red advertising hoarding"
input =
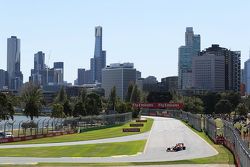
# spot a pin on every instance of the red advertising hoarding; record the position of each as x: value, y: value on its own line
x: 177, y: 106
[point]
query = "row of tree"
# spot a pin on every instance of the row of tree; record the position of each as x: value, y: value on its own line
x: 31, y: 100
x: 215, y: 103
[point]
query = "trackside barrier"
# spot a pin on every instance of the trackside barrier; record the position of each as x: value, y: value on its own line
x: 238, y: 147
x: 24, y: 138
x: 210, y: 128
x: 193, y: 120
x: 55, y: 127
x: 90, y: 122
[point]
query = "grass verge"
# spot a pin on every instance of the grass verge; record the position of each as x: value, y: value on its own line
x: 89, y: 135
x: 224, y: 156
x: 89, y: 150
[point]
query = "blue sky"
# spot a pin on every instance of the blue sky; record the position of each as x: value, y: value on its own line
x: 145, y: 32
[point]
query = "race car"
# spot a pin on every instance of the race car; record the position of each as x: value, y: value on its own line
x: 177, y: 147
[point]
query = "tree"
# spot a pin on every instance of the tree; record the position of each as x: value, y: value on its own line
x: 83, y: 95
x: 31, y: 99
x: 93, y: 104
x: 159, y: 97
x: 241, y: 109
x: 188, y: 104
x: 112, y: 98
x: 209, y: 100
x: 67, y: 109
x: 223, y: 107
x: 193, y: 105
x: 57, y: 111
x: 6, y: 108
x: 129, y: 92
x: 135, y: 95
x: 198, y: 105
x: 61, y: 96
x: 121, y: 107
x: 79, y: 109
x: 233, y: 97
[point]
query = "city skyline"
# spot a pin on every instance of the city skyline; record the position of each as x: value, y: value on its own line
x: 128, y: 37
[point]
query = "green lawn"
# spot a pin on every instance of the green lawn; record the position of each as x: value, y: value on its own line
x: 90, y: 135
x: 224, y: 157
x: 89, y: 150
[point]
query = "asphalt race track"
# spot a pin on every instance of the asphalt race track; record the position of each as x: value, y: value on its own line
x: 165, y: 132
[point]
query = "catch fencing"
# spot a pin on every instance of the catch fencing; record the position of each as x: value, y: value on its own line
x: 238, y: 147
x: 210, y: 128
x: 193, y: 120
x: 83, y: 123
x: 32, y: 127
x: 27, y: 130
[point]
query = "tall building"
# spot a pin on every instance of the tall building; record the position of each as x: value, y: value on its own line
x: 99, y: 60
x: 58, y: 73
x: 81, y: 76
x: 88, y: 77
x: 3, y: 79
x: 120, y: 76
x: 208, y: 72
x: 15, y: 76
x: 138, y: 75
x: 231, y: 63
x: 185, y: 55
x: 39, y: 66
x: 242, y: 76
x: 247, y: 76
x: 170, y: 83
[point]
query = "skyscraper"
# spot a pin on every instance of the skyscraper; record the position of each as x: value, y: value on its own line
x: 39, y: 67
x: 15, y: 75
x: 247, y: 76
x: 99, y: 60
x: 208, y: 72
x: 185, y: 55
x: 232, y: 65
x: 81, y: 76
x: 3, y: 78
x: 58, y: 73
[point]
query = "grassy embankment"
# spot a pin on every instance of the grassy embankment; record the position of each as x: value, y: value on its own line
x: 90, y: 135
x: 224, y: 156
